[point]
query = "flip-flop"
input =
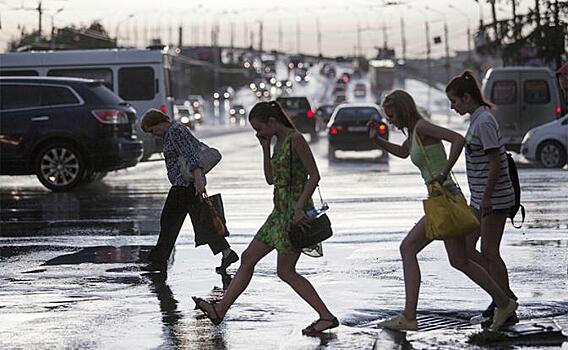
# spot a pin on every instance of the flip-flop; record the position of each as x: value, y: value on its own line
x: 311, y: 329
x: 198, y: 305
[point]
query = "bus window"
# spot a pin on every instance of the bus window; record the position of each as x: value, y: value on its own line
x: 136, y: 84
x: 18, y: 73
x: 87, y: 73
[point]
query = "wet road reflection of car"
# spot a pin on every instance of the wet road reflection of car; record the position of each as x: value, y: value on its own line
x: 66, y: 131
x: 348, y: 131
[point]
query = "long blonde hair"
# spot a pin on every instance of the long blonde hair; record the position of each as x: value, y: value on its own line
x: 404, y: 106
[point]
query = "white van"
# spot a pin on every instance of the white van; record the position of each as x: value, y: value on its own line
x: 525, y: 97
x: 139, y: 77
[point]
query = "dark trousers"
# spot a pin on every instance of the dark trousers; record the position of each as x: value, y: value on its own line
x: 180, y: 202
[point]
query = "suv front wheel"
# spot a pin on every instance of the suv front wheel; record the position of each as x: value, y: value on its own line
x: 60, y: 166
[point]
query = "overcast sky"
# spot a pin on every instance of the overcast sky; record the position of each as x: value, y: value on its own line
x: 137, y: 20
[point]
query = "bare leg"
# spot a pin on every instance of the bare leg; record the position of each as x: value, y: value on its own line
x: 491, y: 233
x: 250, y: 257
x: 456, y: 249
x: 411, y: 245
x: 286, y: 268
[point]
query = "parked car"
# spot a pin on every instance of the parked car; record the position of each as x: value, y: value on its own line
x: 237, y: 113
x: 300, y: 110
x: 66, y: 131
x: 347, y: 129
x: 547, y: 144
x: 184, y: 115
x: 360, y: 90
x: 525, y: 97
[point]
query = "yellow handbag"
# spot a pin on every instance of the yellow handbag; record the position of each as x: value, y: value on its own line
x: 447, y: 214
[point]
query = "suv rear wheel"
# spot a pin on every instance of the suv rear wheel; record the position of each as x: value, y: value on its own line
x: 60, y: 166
x: 551, y: 154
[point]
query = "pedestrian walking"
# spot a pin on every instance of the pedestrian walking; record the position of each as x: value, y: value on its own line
x: 184, y: 197
x: 424, y: 146
x: 492, y: 193
x: 290, y: 167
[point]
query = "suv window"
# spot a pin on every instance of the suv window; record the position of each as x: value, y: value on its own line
x: 357, y: 114
x: 504, y: 92
x: 31, y: 96
x: 103, y: 74
x: 536, y: 92
x: 136, y: 83
x: 104, y: 94
x: 18, y: 73
x: 294, y: 103
x: 19, y: 96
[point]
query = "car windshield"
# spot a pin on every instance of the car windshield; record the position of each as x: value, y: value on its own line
x: 357, y: 114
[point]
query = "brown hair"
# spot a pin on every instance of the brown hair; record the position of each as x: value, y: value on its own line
x: 467, y: 84
x: 153, y: 117
x: 264, y: 110
x: 404, y: 106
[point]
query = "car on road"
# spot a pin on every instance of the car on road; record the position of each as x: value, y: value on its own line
x: 360, y: 90
x: 300, y: 110
x: 198, y: 104
x: 184, y: 115
x: 525, y: 97
x: 323, y: 113
x: 347, y: 129
x: 237, y: 114
x: 66, y: 131
x: 547, y: 144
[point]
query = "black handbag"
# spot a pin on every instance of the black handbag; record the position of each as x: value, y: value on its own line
x: 318, y: 230
x: 206, y: 222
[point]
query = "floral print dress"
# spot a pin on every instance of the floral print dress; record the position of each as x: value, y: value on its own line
x: 272, y: 231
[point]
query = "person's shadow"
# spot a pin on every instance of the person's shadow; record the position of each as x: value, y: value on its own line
x: 175, y: 330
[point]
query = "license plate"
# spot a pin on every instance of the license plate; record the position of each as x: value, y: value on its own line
x: 357, y: 128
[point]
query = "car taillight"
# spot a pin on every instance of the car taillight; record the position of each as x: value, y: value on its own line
x: 335, y: 130
x: 310, y: 114
x: 558, y: 111
x: 164, y: 109
x: 382, y: 129
x: 110, y: 116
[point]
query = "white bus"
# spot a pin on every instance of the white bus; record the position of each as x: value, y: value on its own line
x: 140, y: 77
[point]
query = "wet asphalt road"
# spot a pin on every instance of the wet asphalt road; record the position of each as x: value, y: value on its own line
x: 69, y: 262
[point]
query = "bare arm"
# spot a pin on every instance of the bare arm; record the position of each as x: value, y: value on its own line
x: 399, y: 151
x: 302, y: 150
x: 437, y: 132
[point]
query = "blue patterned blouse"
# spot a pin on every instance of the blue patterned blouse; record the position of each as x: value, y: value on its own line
x: 178, y: 140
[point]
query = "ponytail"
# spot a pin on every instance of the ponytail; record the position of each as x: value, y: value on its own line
x: 467, y: 84
x: 264, y: 110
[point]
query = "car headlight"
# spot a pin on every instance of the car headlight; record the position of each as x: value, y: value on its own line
x: 184, y: 120
x: 197, y: 116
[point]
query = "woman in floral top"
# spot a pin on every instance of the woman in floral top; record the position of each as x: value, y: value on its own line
x: 294, y: 180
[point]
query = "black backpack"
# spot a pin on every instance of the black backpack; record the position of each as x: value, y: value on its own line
x: 513, y: 174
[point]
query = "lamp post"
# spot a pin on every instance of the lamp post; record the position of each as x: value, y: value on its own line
x: 52, y: 43
x: 446, y: 41
x: 468, y: 29
x: 118, y: 26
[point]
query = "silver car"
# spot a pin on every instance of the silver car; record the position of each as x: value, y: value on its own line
x: 547, y: 144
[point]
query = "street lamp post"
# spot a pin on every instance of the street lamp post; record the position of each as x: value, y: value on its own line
x: 446, y: 42
x: 468, y: 29
x: 118, y: 26
x: 52, y: 43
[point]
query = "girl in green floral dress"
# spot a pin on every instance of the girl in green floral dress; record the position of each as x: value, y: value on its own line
x: 292, y: 170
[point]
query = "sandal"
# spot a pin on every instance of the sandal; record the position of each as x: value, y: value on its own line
x: 199, y: 305
x: 312, y: 329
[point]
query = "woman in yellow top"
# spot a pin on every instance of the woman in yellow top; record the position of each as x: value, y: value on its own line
x: 401, y: 111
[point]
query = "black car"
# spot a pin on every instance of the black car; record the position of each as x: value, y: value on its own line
x: 348, y: 131
x: 67, y: 131
x: 299, y: 109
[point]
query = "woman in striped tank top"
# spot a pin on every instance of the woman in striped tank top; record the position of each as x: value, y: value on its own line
x: 492, y: 193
